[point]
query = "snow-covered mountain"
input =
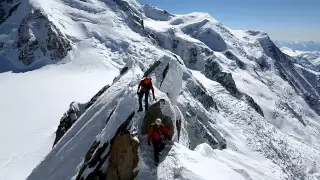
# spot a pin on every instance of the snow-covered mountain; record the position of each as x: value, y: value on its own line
x: 299, y: 45
x: 309, y: 59
x: 238, y: 108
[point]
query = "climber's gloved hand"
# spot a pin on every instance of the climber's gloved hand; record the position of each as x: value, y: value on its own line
x: 149, y: 143
x: 170, y: 138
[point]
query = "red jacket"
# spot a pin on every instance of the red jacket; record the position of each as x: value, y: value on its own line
x: 155, y: 132
x: 145, y: 87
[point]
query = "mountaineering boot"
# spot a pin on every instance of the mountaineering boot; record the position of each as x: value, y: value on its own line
x: 140, y: 109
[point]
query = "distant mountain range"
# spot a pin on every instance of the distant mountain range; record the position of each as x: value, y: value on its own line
x: 308, y: 59
x: 299, y: 45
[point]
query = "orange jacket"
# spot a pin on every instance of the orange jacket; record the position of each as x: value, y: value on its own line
x: 156, y: 132
x: 145, y: 87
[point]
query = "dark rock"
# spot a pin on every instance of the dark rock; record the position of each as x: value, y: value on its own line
x: 175, y: 44
x: 124, y: 70
x: 69, y: 118
x: 151, y: 68
x: 96, y: 96
x: 178, y: 125
x: 122, y: 152
x: 231, y: 56
x: 74, y: 112
x: 212, y: 71
x: 263, y: 63
x: 164, y: 73
x: 193, y: 55
x: 177, y: 59
x: 313, y: 101
x: 154, y: 112
x: 199, y: 92
x: 123, y: 158
x: 253, y: 104
x: 34, y: 46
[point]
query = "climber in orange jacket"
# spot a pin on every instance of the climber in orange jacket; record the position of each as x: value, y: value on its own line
x: 156, y: 134
x: 144, y: 88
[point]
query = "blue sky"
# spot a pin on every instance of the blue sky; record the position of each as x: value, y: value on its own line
x: 282, y: 19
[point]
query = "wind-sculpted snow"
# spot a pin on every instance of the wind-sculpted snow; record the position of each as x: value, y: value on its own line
x: 236, y: 106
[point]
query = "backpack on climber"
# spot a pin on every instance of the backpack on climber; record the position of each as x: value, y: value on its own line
x: 144, y: 87
x: 156, y: 135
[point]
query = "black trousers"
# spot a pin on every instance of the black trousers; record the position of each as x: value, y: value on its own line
x: 158, y: 146
x: 146, y: 98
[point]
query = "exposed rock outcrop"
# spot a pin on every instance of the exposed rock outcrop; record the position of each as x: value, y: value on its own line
x: 213, y: 71
x: 122, y: 155
x: 200, y: 128
x: 123, y: 158
x: 154, y: 112
x: 253, y: 104
x: 200, y: 93
x: 151, y: 68
x: 74, y: 112
x: 39, y: 38
x: 69, y: 118
x: 231, y: 56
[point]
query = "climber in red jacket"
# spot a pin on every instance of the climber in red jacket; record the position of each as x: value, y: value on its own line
x: 144, y: 88
x: 156, y: 135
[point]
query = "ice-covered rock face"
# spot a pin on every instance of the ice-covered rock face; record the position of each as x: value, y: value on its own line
x: 304, y: 81
x: 38, y: 38
x: 74, y: 112
x: 32, y: 41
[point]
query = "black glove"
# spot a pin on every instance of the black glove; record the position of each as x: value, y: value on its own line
x: 149, y: 143
x: 169, y: 138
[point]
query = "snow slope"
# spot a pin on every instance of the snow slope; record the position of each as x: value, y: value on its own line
x: 239, y: 107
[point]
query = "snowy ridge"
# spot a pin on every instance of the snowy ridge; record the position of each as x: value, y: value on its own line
x: 236, y: 104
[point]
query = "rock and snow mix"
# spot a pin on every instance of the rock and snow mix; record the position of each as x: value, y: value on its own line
x: 308, y: 59
x: 237, y: 106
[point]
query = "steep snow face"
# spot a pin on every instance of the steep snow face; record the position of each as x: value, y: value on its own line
x: 238, y: 106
